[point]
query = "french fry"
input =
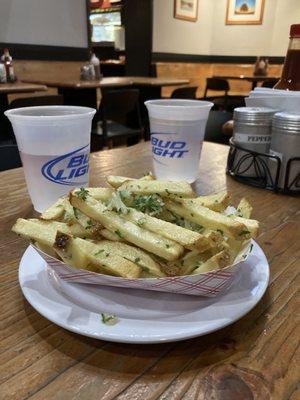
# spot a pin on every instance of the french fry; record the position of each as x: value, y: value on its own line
x: 97, y: 256
x: 216, y: 202
x: 55, y: 211
x: 134, y: 254
x: 117, y: 181
x: 44, y: 232
x: 162, y: 188
x: 252, y: 225
x: 193, y: 260
x: 127, y: 230
x: 210, y: 219
x: 102, y: 194
x: 218, y: 261
x: 109, y: 235
x: 244, y: 208
x: 70, y: 252
x: 185, y: 237
x: 91, y: 226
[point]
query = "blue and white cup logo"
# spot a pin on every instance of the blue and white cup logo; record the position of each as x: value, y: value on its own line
x: 68, y: 169
x: 168, y: 148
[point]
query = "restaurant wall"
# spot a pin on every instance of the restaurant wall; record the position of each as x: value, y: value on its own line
x: 44, y: 22
x: 210, y: 36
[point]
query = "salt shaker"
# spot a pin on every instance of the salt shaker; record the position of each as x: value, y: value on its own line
x: 285, y: 144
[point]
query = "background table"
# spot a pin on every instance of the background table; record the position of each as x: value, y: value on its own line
x: 256, y: 358
x: 17, y: 87
x: 254, y: 79
x: 149, y: 87
x: 11, y: 88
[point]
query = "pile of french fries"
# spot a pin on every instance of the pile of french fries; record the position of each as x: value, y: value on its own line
x: 142, y: 228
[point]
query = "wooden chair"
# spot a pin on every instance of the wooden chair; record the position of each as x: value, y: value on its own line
x: 119, y: 119
x: 187, y: 92
x: 224, y: 102
x: 270, y: 83
x: 48, y: 100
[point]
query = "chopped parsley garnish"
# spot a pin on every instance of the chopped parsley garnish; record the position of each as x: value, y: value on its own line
x: 89, y: 224
x: 137, y: 259
x: 145, y: 269
x: 59, y: 205
x: 141, y: 221
x: 216, y: 201
x: 167, y: 246
x: 68, y: 216
x: 168, y: 191
x: 82, y: 193
x: 243, y: 233
x: 192, y: 226
x: 107, y: 254
x: 219, y: 230
x: 116, y: 202
x: 117, y: 232
x: 108, y: 319
x: 151, y: 204
x: 192, y: 214
x: 75, y: 211
x: 98, y: 252
x: 32, y: 241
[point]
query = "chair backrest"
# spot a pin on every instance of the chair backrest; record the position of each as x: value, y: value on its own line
x: 117, y: 104
x: 48, y: 100
x: 270, y: 83
x: 153, y: 70
x: 9, y: 157
x: 217, y: 84
x: 215, y: 122
x: 188, y: 92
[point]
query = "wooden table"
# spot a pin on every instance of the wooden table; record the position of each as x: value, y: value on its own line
x: 149, y: 87
x: 254, y: 79
x: 10, y: 88
x: 253, y: 359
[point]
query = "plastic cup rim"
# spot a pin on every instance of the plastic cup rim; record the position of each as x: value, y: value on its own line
x: 172, y: 103
x: 18, y: 113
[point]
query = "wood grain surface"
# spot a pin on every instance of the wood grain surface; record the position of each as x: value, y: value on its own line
x: 256, y: 358
x: 21, y: 87
x: 109, y: 82
x: 250, y: 78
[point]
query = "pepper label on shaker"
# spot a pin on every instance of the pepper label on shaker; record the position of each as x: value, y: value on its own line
x: 245, y: 138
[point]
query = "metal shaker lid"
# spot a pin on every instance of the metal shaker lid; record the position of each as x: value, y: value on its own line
x: 285, y: 121
x: 254, y: 115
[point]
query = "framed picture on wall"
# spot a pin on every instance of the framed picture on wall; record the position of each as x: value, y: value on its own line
x: 244, y: 12
x: 186, y: 9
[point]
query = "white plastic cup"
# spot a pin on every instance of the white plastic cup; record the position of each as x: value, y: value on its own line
x: 54, y: 145
x: 177, y: 132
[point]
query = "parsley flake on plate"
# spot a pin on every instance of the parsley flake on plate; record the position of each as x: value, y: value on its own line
x: 108, y: 319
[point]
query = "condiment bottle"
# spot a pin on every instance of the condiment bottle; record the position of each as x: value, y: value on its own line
x: 96, y: 63
x: 285, y: 144
x: 290, y: 78
x: 7, y: 61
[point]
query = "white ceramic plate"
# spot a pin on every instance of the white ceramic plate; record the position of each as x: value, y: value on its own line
x: 143, y: 316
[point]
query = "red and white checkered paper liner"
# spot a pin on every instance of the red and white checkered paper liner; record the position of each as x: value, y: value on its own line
x: 209, y: 284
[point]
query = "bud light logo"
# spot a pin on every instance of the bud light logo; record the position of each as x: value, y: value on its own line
x: 168, y: 148
x: 68, y: 168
